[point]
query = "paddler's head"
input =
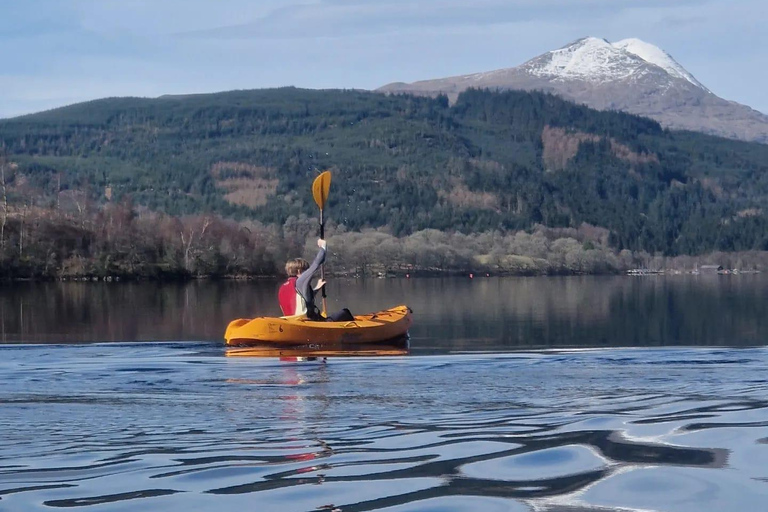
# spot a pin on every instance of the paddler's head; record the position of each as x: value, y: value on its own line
x: 296, y: 266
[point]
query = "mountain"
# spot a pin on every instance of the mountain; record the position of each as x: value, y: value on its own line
x: 630, y: 75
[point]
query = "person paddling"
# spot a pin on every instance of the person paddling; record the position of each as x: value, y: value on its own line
x: 297, y: 295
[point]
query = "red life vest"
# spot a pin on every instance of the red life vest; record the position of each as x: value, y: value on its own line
x: 287, y: 297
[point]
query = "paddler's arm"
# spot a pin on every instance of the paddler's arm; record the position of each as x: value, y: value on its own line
x: 303, y: 281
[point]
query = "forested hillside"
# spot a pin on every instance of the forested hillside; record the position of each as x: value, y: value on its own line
x: 491, y: 162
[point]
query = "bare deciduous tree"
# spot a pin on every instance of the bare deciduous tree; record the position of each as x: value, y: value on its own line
x: 192, y: 230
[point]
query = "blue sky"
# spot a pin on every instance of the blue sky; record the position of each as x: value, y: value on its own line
x: 57, y: 52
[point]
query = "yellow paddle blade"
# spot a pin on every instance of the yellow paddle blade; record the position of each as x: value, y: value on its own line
x: 320, y: 188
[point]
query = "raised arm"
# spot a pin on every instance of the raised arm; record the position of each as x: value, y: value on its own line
x: 303, y: 282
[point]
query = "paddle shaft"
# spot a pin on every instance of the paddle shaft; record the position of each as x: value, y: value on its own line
x: 322, y: 267
x: 320, y: 188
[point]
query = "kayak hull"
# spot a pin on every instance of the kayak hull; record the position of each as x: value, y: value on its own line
x: 295, y: 331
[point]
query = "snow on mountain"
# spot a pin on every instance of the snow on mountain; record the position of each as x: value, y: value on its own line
x: 590, y: 59
x: 596, y: 60
x: 656, y: 55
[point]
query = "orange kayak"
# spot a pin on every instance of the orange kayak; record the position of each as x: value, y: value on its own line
x: 298, y: 330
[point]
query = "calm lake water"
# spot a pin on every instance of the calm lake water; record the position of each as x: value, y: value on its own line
x: 533, y: 394
x: 456, y: 314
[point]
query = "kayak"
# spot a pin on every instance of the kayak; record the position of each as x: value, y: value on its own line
x: 292, y: 331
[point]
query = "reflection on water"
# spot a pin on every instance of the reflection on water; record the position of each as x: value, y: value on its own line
x: 456, y: 314
x: 319, y: 351
x: 180, y: 427
x: 394, y: 347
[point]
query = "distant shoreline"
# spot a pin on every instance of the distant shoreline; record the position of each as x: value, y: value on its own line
x: 414, y: 275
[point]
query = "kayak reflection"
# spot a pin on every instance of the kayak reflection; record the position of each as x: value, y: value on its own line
x: 396, y: 347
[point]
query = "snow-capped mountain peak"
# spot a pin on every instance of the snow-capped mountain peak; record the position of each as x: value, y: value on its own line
x: 597, y: 60
x: 590, y: 59
x: 629, y: 75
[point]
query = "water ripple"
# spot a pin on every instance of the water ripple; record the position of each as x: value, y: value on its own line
x: 551, y: 432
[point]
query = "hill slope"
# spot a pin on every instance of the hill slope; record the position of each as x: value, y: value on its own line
x: 505, y: 161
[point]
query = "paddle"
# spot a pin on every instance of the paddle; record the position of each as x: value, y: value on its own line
x: 320, y: 188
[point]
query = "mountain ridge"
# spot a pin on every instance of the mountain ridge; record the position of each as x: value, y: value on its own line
x: 629, y: 75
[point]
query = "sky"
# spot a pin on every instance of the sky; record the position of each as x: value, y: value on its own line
x: 58, y: 52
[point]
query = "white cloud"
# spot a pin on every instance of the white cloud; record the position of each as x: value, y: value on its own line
x: 348, y: 18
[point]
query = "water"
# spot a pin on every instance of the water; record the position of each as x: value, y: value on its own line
x: 478, y: 417
x: 460, y: 314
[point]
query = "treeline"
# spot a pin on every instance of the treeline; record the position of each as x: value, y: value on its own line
x: 117, y: 241
x: 492, y: 162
